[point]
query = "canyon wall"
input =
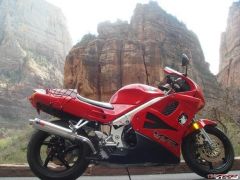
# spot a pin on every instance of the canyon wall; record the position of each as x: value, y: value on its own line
x: 34, y: 41
x: 135, y: 52
x: 229, y: 67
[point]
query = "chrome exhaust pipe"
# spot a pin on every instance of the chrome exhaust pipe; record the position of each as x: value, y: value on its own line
x: 60, y: 131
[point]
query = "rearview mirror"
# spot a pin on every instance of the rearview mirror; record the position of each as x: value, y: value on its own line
x: 185, y: 60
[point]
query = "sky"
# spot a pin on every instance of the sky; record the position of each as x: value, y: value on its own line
x: 207, y: 18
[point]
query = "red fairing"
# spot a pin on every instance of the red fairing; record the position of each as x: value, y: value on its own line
x: 195, y: 90
x: 172, y: 132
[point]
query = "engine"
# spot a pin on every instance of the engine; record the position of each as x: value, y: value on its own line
x: 129, y: 137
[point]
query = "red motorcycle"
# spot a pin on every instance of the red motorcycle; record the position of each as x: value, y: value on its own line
x: 140, y: 126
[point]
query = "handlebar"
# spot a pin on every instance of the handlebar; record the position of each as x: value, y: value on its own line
x: 163, y: 87
x: 173, y: 84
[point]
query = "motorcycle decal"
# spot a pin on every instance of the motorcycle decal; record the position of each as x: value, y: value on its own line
x: 153, y: 122
x: 164, y: 138
x: 183, y: 119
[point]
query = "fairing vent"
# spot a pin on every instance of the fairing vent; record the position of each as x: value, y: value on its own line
x: 153, y: 122
x: 170, y: 108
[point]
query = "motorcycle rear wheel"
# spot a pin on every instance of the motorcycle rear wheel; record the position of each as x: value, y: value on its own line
x: 55, y: 158
x: 205, y: 161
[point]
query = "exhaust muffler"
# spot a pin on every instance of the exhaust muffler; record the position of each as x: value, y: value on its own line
x: 60, y: 131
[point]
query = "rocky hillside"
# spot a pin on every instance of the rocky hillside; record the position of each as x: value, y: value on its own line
x: 33, y: 44
x: 230, y: 50
x: 124, y: 53
x: 230, y: 60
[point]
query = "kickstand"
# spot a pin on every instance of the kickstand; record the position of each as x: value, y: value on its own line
x: 128, y: 173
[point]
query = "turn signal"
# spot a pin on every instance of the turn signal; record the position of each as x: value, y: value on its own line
x: 196, y: 126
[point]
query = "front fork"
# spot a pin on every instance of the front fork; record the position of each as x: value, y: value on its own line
x: 199, y: 125
x: 206, y: 137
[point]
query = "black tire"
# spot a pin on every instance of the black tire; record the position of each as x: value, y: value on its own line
x: 202, y: 166
x: 66, y: 170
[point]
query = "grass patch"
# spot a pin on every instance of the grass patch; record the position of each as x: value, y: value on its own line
x: 13, y: 148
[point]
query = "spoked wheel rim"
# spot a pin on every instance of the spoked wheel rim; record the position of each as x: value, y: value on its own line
x: 211, y: 158
x: 57, y: 154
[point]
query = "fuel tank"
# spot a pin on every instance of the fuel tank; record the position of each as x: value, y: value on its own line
x: 135, y: 94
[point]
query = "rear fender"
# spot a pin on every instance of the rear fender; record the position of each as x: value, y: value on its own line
x: 199, y: 124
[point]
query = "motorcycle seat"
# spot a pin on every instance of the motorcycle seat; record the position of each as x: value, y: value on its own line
x: 95, y: 103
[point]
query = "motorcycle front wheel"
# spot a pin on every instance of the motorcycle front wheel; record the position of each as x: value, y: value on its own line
x: 52, y: 157
x: 206, y: 160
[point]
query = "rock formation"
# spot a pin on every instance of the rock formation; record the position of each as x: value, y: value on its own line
x: 33, y: 44
x: 125, y: 53
x: 229, y: 68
